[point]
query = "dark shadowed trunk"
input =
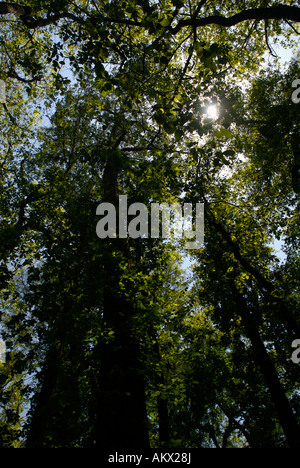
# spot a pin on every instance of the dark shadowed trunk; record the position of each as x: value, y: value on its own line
x: 42, y: 410
x: 122, y: 417
x: 281, y: 404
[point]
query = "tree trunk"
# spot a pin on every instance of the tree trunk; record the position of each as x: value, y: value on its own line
x: 284, y: 411
x: 265, y: 285
x: 122, y: 416
x: 162, y: 403
x: 39, y: 421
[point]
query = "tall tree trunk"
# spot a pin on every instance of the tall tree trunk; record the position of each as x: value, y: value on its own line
x: 296, y: 163
x: 40, y: 418
x: 264, y: 284
x: 162, y: 403
x: 122, y: 416
x: 284, y: 411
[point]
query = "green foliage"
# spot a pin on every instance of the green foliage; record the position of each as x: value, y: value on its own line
x: 111, y: 98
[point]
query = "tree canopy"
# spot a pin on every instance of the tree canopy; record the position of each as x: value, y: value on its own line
x: 136, y: 342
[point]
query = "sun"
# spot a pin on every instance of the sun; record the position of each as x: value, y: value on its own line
x: 212, y: 111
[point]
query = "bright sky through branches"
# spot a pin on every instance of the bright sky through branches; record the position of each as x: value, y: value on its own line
x: 212, y: 111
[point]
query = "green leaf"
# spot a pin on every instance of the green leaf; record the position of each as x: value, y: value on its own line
x: 166, y: 22
x: 227, y: 133
x: 229, y: 153
x: 223, y: 132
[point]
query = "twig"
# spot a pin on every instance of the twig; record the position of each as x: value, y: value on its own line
x: 267, y: 40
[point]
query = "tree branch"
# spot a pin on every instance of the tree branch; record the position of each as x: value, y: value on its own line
x: 285, y: 12
x: 25, y: 13
x: 267, y: 40
x: 13, y: 74
x: 15, y: 9
x: 263, y: 282
x: 197, y: 11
